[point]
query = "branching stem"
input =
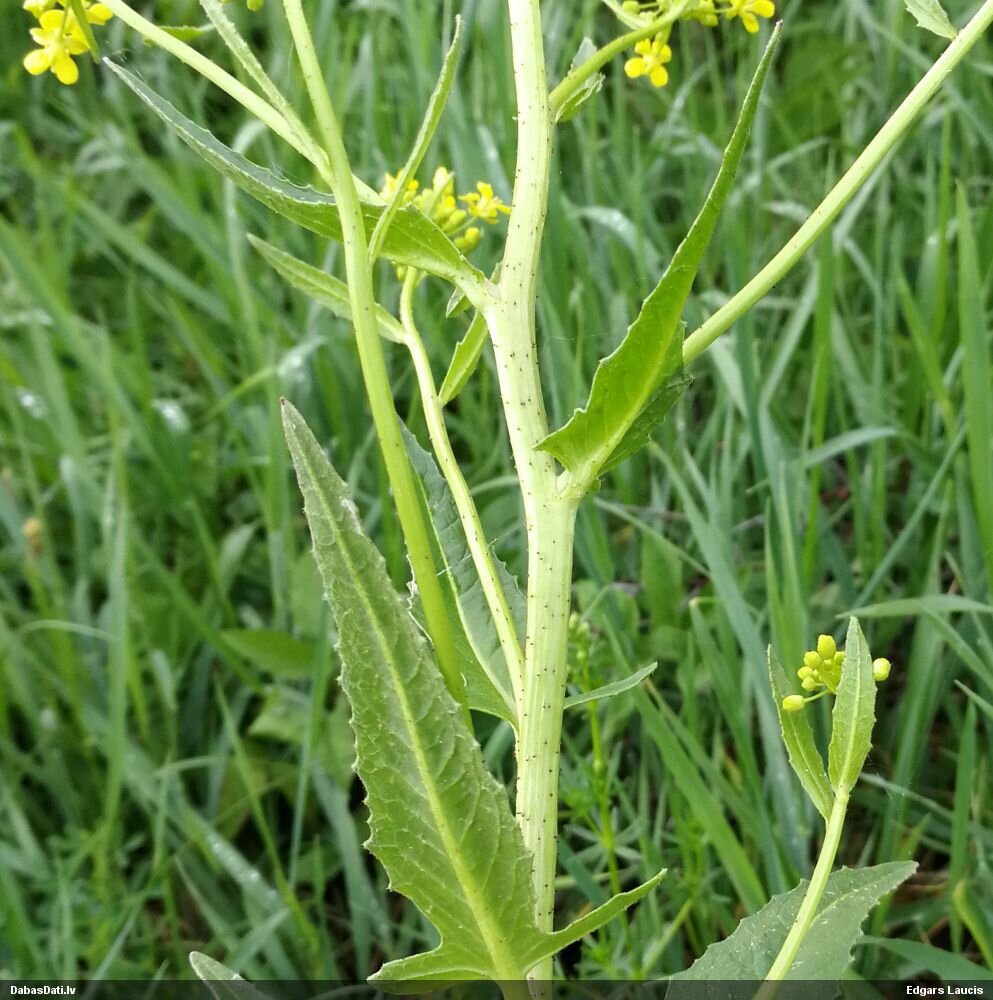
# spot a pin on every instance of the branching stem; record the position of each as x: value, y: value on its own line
x: 373, y: 362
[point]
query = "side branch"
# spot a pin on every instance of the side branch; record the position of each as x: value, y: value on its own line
x: 856, y: 175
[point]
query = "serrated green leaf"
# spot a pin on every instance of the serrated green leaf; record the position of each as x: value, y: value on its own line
x: 854, y: 712
x: 329, y: 291
x: 612, y: 689
x: 274, y: 652
x: 473, y: 609
x: 591, y: 86
x: 441, y: 825
x: 638, y: 384
x: 798, y: 737
x: 413, y: 239
x: 465, y: 358
x: 220, y: 979
x: 931, y: 16
x: 826, y: 951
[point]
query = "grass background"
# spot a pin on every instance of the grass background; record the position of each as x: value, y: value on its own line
x: 174, y: 755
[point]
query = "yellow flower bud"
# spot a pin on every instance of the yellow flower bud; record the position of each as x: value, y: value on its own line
x: 808, y: 684
x: 826, y: 647
x: 793, y: 703
x: 881, y: 668
x: 839, y: 659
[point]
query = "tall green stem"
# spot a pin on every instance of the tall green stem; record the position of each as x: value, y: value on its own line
x: 856, y: 175
x: 549, y: 520
x: 818, y: 881
x: 372, y: 360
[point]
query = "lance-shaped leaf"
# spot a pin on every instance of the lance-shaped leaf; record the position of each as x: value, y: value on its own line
x: 612, y: 689
x: 930, y: 15
x: 465, y: 358
x: 473, y: 609
x: 439, y: 821
x: 413, y: 239
x: 826, y: 951
x: 590, y: 87
x: 854, y: 712
x: 329, y: 291
x: 638, y: 384
x: 798, y: 737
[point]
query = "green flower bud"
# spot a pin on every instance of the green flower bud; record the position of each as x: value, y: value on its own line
x: 826, y: 647
x: 808, y: 684
x: 881, y: 668
x: 839, y: 659
x: 793, y: 703
x: 812, y: 659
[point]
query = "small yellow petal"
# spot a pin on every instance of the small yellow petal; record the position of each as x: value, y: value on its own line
x: 65, y: 70
x: 635, y: 67
x: 764, y: 8
x: 99, y: 13
x: 659, y: 77
x: 644, y: 47
x: 750, y: 22
x: 52, y: 20
x: 37, y: 62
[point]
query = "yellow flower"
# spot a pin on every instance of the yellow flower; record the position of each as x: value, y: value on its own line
x: 484, y: 204
x: 389, y: 187
x: 650, y: 59
x: 60, y: 37
x: 750, y: 11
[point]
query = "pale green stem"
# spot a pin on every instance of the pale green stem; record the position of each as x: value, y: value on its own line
x: 578, y: 76
x: 549, y: 520
x: 479, y: 548
x: 373, y: 362
x: 857, y: 174
x: 815, y: 890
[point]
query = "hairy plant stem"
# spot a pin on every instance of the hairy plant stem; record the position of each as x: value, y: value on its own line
x: 549, y: 520
x: 856, y: 175
x: 372, y: 361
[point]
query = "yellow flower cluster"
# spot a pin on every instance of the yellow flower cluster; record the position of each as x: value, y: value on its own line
x: 821, y: 672
x: 439, y: 203
x: 652, y: 54
x: 60, y: 37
